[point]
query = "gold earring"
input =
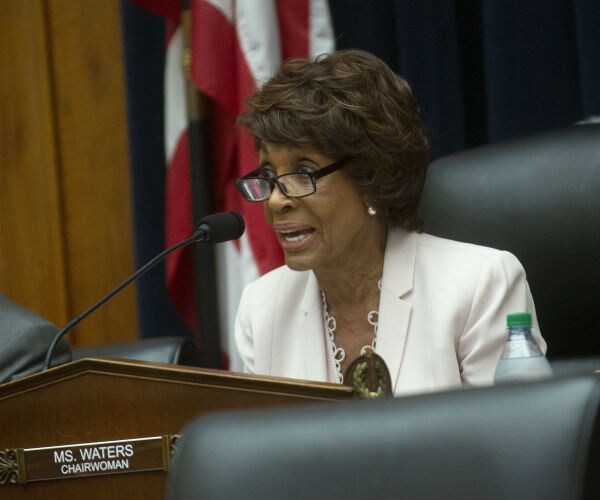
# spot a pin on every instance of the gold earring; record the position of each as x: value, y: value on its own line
x: 371, y: 211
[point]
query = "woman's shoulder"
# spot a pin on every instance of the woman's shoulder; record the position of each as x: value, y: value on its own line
x: 448, y: 256
x: 426, y: 247
x: 427, y: 240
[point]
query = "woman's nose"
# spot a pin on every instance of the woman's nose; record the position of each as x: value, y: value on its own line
x: 279, y: 201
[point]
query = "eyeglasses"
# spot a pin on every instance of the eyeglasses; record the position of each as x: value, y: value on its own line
x: 255, y: 187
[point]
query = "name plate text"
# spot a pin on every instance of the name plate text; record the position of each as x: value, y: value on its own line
x: 23, y: 465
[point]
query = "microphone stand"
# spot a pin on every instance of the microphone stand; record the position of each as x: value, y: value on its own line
x: 197, y: 236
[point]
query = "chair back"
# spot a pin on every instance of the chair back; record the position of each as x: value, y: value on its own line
x: 526, y: 441
x: 24, y: 341
x: 539, y: 198
x: 172, y: 350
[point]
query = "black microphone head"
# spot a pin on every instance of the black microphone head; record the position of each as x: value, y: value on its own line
x: 220, y: 227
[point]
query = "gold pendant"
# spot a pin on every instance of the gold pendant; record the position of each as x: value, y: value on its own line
x: 369, y: 376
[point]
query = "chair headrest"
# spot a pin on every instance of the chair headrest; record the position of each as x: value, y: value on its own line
x: 522, y: 441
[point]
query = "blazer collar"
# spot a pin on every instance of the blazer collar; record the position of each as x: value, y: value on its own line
x: 398, y: 270
x: 316, y: 361
x: 394, y: 312
x: 399, y: 262
x: 311, y: 299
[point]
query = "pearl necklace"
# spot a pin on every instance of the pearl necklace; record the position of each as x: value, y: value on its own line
x: 339, y: 354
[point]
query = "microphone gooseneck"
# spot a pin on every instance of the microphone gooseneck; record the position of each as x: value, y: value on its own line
x: 215, y: 228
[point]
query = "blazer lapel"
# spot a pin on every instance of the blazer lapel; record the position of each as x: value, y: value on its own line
x: 394, y: 313
x: 302, y: 349
x: 297, y: 340
x: 311, y: 329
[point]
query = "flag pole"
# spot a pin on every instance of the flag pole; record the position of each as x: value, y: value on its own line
x: 205, y: 280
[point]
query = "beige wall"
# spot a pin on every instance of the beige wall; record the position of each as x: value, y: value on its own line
x: 65, y: 210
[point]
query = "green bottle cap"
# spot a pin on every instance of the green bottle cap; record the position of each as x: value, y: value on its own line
x: 518, y: 319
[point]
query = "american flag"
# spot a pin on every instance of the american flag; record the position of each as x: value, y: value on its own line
x: 236, y: 45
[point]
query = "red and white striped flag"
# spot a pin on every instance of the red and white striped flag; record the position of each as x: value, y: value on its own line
x: 236, y: 46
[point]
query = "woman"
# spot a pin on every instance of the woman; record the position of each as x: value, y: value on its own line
x: 343, y: 156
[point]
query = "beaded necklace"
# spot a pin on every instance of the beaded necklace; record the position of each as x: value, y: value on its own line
x: 339, y: 354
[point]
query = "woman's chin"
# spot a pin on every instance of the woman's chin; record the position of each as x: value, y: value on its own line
x: 297, y: 263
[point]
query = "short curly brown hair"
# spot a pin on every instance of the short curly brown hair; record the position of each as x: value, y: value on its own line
x: 350, y: 103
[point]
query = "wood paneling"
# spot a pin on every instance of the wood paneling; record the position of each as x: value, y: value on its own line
x: 89, y: 92
x: 65, y: 221
x: 32, y: 270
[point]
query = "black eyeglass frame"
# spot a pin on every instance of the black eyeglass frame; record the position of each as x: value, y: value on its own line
x: 322, y: 172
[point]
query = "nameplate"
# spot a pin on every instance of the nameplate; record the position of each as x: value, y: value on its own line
x: 23, y: 465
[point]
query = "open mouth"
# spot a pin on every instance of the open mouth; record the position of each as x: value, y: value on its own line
x: 296, y: 236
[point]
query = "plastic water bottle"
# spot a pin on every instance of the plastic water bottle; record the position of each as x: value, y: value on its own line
x: 522, y: 359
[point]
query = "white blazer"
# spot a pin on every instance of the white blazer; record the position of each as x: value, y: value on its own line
x: 442, y: 316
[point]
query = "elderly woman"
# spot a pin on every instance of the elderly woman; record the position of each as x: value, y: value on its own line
x: 343, y: 157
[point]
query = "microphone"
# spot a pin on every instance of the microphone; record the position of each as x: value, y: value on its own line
x: 215, y: 228
x: 221, y: 227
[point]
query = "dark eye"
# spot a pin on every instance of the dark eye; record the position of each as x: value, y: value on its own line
x: 266, y: 171
x: 304, y: 168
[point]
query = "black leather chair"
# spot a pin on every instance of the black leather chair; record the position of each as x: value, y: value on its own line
x: 539, y: 198
x: 24, y: 340
x: 173, y: 350
x: 524, y: 441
